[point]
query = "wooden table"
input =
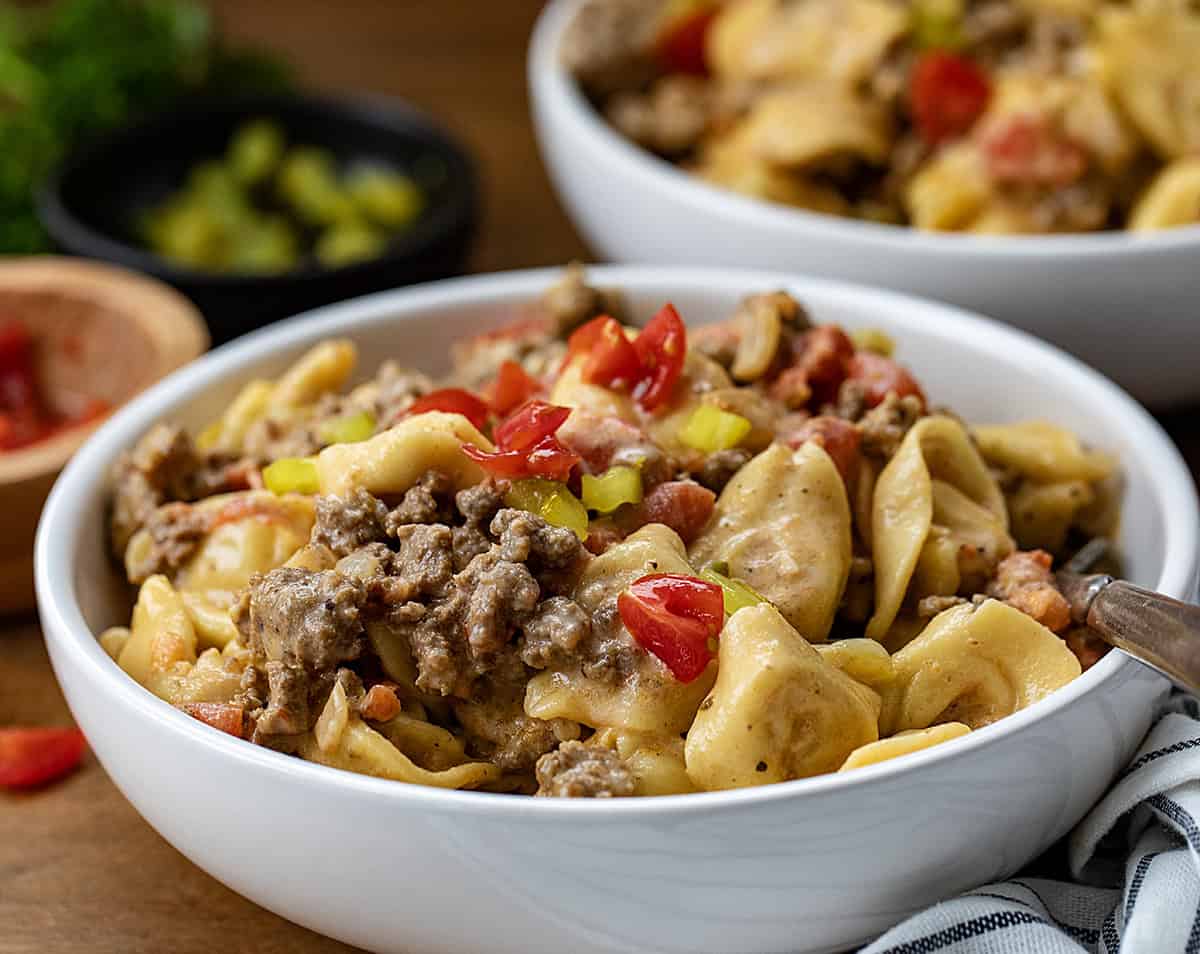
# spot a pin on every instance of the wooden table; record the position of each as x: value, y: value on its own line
x: 79, y: 869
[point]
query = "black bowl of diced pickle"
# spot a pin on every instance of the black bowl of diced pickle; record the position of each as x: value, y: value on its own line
x: 262, y: 207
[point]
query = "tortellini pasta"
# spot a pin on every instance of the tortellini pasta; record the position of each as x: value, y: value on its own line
x: 903, y: 743
x: 778, y: 711
x: 934, y: 497
x: 393, y: 460
x: 645, y: 697
x: 783, y: 525
x: 343, y: 740
x: 974, y: 665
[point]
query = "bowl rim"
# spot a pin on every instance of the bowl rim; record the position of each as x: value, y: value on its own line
x: 550, y: 83
x: 375, y: 109
x: 60, y: 532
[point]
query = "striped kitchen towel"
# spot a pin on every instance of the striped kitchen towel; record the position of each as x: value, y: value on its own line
x: 1134, y: 861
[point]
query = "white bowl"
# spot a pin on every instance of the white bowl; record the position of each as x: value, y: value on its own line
x: 1124, y: 303
x: 804, y: 866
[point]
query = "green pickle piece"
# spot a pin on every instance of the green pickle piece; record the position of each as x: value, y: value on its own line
x: 255, y: 151
x: 551, y: 501
x: 292, y: 475
x: 349, y: 242
x: 738, y: 595
x: 709, y: 429
x: 348, y: 429
x: 616, y: 486
x: 389, y: 198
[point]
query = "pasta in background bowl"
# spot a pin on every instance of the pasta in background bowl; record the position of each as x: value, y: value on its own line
x: 795, y: 840
x: 1083, y: 291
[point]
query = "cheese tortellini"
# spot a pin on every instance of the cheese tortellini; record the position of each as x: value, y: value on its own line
x: 674, y: 563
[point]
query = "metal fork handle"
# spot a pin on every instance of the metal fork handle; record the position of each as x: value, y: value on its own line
x: 1160, y: 631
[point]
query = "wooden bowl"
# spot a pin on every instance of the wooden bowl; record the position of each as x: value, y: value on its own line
x: 101, y: 332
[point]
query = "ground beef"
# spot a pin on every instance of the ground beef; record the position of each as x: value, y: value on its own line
x: 576, y: 770
x: 344, y: 524
x: 670, y: 118
x: 458, y: 623
x: 496, y: 726
x: 883, y: 427
x: 165, y: 467
x: 719, y: 467
x: 1024, y: 581
x: 571, y: 301
x: 477, y: 506
x: 175, y: 530
x: 155, y: 471
x: 395, y: 389
x: 851, y: 402
x: 554, y: 554
x: 301, y: 626
x: 554, y: 631
x: 608, y: 45
x: 429, y: 500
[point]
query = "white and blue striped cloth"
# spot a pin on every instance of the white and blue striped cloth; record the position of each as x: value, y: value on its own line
x: 1134, y: 862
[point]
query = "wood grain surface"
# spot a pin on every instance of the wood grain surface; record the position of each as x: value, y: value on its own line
x: 79, y: 869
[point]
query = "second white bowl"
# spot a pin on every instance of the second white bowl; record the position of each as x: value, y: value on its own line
x: 1125, y: 304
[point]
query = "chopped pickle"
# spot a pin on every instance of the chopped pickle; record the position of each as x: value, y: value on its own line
x: 937, y: 24
x: 348, y: 429
x: 292, y: 475
x: 255, y: 151
x: 390, y: 198
x: 738, y: 595
x: 873, y: 340
x: 551, y: 501
x: 349, y: 242
x: 711, y: 429
x: 616, y: 486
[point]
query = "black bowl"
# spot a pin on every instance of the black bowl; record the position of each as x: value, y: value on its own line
x: 92, y: 205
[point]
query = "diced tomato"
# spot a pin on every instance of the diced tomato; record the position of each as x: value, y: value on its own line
x: 674, y: 617
x: 947, y: 94
x: 661, y: 348
x: 610, y: 358
x: 34, y: 756
x: 839, y: 437
x: 880, y: 376
x: 682, y: 505
x: 681, y: 43
x: 1025, y: 150
x: 453, y: 401
x: 220, y: 715
x: 526, y: 445
x: 512, y: 388
x: 381, y: 703
x: 547, y: 459
x: 819, y: 365
x: 526, y: 428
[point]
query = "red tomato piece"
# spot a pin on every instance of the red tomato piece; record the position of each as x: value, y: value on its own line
x: 839, y: 437
x: 947, y: 94
x: 34, y: 756
x: 682, y: 505
x: 547, y: 459
x: 681, y: 44
x: 661, y: 348
x: 452, y: 401
x: 819, y: 364
x: 1024, y: 150
x: 512, y: 388
x: 220, y: 715
x: 674, y: 617
x: 610, y: 359
x: 534, y: 422
x: 880, y: 376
